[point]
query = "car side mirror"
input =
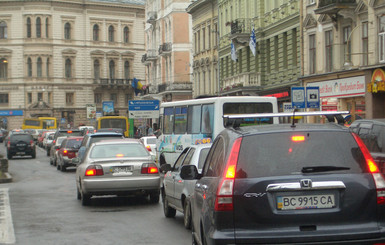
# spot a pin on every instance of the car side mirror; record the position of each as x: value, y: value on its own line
x: 189, y: 172
x: 165, y: 168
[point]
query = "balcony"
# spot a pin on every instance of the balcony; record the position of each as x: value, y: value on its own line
x: 149, y: 57
x: 165, y: 49
x: 111, y: 83
x: 151, y: 17
x: 186, y: 86
x: 332, y: 7
x: 240, y: 30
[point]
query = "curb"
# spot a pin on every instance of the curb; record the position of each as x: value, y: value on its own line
x: 6, y: 179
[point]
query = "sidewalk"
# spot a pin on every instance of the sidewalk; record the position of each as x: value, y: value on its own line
x: 5, y: 178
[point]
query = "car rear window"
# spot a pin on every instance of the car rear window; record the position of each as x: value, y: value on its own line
x: 100, y: 138
x: 21, y: 137
x: 119, y: 150
x: 73, y: 143
x: 278, y: 154
x: 151, y: 141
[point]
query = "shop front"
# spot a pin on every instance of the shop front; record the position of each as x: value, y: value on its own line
x: 376, y: 94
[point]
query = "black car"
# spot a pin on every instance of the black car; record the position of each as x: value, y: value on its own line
x: 372, y: 132
x: 288, y: 184
x: 21, y: 144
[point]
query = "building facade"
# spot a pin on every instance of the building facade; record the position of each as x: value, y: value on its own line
x: 204, y: 15
x: 58, y: 56
x: 275, y: 65
x: 168, y: 58
x: 343, y: 54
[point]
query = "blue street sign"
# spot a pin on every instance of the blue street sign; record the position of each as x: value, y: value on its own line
x: 143, y: 105
x: 11, y: 112
x: 312, y: 97
x: 298, y: 97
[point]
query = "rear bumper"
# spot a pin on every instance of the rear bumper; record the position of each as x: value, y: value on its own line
x: 119, y: 185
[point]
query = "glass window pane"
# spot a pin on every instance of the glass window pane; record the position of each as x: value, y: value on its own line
x: 194, y: 119
x: 180, y: 120
x: 168, y: 120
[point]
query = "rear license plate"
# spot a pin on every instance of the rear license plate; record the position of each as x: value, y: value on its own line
x: 125, y: 169
x: 305, y: 202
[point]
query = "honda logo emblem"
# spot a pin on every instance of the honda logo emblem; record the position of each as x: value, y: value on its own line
x: 306, y: 183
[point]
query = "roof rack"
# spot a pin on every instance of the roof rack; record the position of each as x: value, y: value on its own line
x: 330, y: 115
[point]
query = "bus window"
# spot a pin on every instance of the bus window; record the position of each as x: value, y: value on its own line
x: 207, y: 119
x: 194, y: 119
x: 180, y: 120
x: 246, y: 108
x: 168, y: 120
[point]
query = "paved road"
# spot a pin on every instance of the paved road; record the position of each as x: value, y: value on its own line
x: 45, y: 211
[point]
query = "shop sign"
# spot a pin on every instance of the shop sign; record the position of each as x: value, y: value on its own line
x: 346, y: 87
x: 377, y: 84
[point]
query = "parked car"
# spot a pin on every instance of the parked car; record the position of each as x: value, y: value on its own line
x: 67, y: 151
x: 54, y: 150
x: 150, y: 143
x: 21, y: 144
x: 46, y: 139
x: 280, y: 184
x: 96, y: 137
x: 176, y: 193
x: 117, y: 167
x: 372, y: 133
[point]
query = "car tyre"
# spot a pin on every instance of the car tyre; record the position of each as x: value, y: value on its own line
x: 86, y: 199
x: 50, y: 161
x: 9, y: 155
x: 79, y: 195
x: 169, y: 212
x: 63, y: 168
x: 154, y: 197
x: 33, y: 155
x: 48, y: 153
x: 187, y: 215
x: 58, y: 166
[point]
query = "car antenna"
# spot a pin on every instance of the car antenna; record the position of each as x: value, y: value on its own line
x: 293, y: 125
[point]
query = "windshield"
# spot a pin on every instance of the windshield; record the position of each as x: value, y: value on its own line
x: 74, y: 143
x: 113, y: 123
x: 119, y: 150
x: 32, y: 122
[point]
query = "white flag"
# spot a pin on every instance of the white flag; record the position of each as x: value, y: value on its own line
x: 233, y: 52
x: 253, y: 41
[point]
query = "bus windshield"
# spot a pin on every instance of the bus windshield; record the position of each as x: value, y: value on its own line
x: 249, y: 108
x: 114, y: 122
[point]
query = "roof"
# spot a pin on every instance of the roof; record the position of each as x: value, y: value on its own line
x: 139, y: 2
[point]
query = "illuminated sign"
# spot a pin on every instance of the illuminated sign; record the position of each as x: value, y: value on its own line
x: 377, y: 84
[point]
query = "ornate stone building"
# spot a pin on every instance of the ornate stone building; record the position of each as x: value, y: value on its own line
x: 58, y: 56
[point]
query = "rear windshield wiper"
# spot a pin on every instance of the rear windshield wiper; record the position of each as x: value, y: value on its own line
x: 322, y: 169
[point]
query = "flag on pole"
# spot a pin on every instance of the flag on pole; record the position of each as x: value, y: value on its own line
x: 253, y: 42
x: 233, y: 52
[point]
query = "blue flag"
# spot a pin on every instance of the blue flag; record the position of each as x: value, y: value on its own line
x: 233, y: 52
x: 253, y: 42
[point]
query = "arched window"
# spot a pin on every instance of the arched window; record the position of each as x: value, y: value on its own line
x: 96, y: 33
x: 96, y: 69
x: 29, y: 64
x: 67, y: 31
x: 126, y: 70
x: 38, y: 27
x: 46, y: 27
x: 68, y: 68
x: 126, y: 33
x: 29, y: 34
x: 112, y: 69
x: 3, y: 30
x: 47, y: 67
x: 39, y: 67
x: 111, y: 33
x: 3, y: 68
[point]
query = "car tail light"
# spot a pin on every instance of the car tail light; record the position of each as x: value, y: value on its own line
x: 373, y: 169
x: 149, y: 168
x: 148, y: 148
x: 9, y: 144
x: 94, y: 170
x: 31, y: 143
x: 65, y: 152
x: 225, y: 192
x: 53, y: 142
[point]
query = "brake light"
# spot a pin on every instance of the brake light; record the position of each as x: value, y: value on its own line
x: 298, y: 138
x: 149, y: 168
x: 94, y: 170
x: 53, y: 142
x: 69, y: 132
x: 148, y: 148
x: 225, y: 192
x: 373, y: 169
x: 65, y: 152
x: 31, y: 143
x: 119, y: 155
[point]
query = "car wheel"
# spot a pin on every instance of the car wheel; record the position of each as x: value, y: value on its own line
x: 50, y: 161
x: 63, y: 168
x: 33, y: 155
x: 187, y: 215
x: 169, y: 212
x: 154, y: 197
x: 48, y: 152
x: 79, y: 195
x: 86, y: 199
x: 9, y: 156
x: 58, y: 166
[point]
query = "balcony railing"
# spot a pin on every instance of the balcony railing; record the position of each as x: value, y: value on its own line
x: 165, y: 48
x: 333, y: 6
x: 240, y: 30
x: 150, y: 56
x: 152, y: 16
x: 175, y: 86
x: 109, y: 81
